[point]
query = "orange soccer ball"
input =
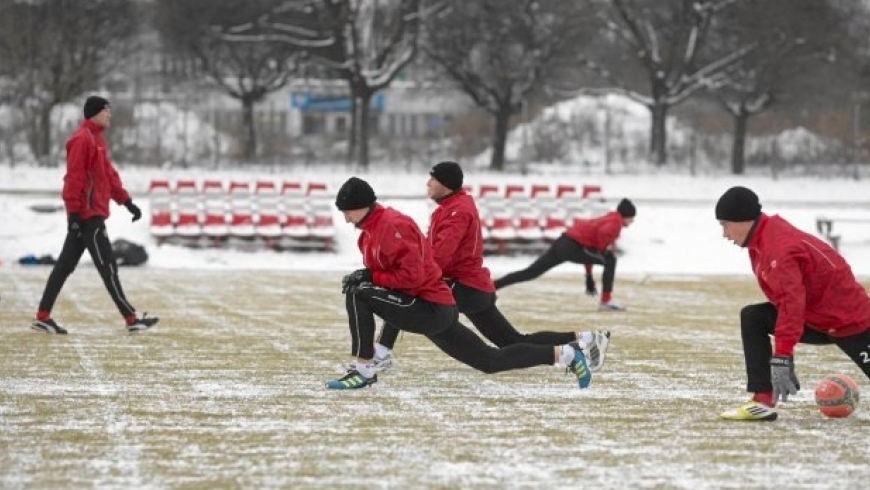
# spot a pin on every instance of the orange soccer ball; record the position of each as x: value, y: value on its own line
x: 837, y: 396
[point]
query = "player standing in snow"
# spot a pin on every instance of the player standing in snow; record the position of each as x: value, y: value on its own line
x: 457, y: 242
x: 402, y: 284
x: 90, y: 182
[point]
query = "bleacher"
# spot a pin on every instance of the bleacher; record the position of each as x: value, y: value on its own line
x: 242, y: 214
x: 527, y: 218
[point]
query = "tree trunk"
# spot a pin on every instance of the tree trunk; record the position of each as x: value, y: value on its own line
x: 502, y: 118
x: 353, y: 128
x: 738, y: 144
x: 364, y: 109
x: 658, y: 135
x: 249, y: 148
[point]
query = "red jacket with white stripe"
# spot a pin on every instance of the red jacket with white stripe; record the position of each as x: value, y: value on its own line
x: 808, y: 282
x: 597, y: 233
x: 456, y: 238
x: 400, y: 257
x: 90, y: 179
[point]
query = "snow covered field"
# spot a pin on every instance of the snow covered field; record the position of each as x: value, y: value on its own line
x: 227, y: 391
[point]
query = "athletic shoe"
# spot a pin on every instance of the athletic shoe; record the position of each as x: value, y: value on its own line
x: 751, y: 411
x: 143, y: 323
x: 47, y: 326
x: 579, y: 367
x: 380, y: 364
x: 610, y: 306
x: 597, y: 349
x: 351, y: 381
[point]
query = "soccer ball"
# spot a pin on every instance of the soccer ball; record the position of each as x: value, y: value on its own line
x: 837, y: 396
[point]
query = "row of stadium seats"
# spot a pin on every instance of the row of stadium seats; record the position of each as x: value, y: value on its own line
x: 527, y: 218
x: 211, y: 214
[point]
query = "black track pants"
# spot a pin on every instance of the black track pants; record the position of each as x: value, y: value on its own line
x: 437, y: 322
x: 756, y: 327
x: 565, y: 249
x: 479, y: 306
x: 93, y: 238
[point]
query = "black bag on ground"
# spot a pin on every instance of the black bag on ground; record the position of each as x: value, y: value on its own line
x: 129, y: 253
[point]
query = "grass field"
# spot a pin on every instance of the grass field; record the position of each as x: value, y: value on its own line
x: 227, y: 392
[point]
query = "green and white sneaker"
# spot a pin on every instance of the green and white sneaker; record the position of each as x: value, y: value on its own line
x: 750, y: 411
x: 579, y: 367
x: 351, y: 381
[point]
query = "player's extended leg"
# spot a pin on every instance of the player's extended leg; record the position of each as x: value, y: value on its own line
x: 857, y: 347
x: 551, y: 258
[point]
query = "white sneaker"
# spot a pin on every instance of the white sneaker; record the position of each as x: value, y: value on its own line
x: 597, y: 349
x: 610, y: 306
x: 380, y: 364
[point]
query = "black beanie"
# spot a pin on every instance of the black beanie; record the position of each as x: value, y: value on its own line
x: 355, y: 194
x: 94, y: 105
x: 626, y: 209
x: 738, y: 204
x: 449, y: 174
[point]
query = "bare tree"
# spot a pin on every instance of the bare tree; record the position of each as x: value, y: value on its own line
x: 499, y: 52
x: 56, y: 49
x: 795, y: 41
x: 664, y: 39
x: 246, y: 70
x: 366, y: 43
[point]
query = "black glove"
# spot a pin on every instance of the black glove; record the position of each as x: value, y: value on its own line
x: 134, y: 209
x: 590, y: 286
x: 74, y: 224
x: 354, y: 279
x: 783, y: 377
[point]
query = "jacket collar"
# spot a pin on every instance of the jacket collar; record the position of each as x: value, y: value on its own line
x: 753, y: 238
x: 92, y: 126
x: 371, y: 218
x: 443, y: 199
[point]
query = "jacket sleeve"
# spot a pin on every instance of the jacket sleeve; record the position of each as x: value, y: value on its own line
x: 446, y: 239
x: 401, y: 256
x: 119, y: 194
x: 76, y: 182
x: 789, y: 298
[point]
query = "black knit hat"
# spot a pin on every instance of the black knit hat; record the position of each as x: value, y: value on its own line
x: 626, y: 209
x: 738, y: 204
x: 94, y: 105
x: 449, y: 174
x: 355, y: 194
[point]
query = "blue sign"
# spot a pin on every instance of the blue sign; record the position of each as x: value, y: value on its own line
x: 307, y: 101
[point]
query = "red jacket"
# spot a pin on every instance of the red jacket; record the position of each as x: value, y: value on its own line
x: 90, y: 179
x: 597, y: 233
x: 399, y: 256
x: 808, y: 282
x: 454, y: 232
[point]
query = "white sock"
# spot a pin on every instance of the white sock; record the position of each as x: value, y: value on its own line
x: 585, y: 337
x: 366, y: 370
x: 382, y: 352
x: 567, y: 355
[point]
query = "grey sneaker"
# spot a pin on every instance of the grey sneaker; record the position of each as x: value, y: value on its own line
x: 597, y: 349
x: 380, y: 364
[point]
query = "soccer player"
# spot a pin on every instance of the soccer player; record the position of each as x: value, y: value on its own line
x: 402, y: 284
x: 813, y: 298
x: 89, y: 185
x: 457, y: 242
x: 587, y: 241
